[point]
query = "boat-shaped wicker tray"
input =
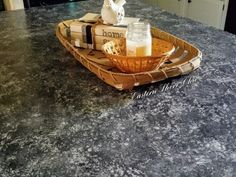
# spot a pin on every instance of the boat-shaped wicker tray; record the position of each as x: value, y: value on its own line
x: 183, y: 60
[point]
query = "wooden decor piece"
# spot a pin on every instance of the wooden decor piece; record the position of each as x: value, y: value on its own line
x: 183, y: 60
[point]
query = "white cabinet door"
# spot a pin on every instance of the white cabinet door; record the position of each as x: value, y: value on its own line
x: 172, y: 6
x: 205, y: 11
x: 13, y: 4
x: 152, y: 2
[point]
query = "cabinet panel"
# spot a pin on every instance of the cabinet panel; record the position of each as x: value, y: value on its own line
x: 13, y: 4
x: 172, y: 6
x: 151, y: 2
x: 205, y: 11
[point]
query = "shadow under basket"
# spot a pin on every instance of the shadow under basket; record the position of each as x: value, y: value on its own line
x: 185, y: 59
x: 116, y: 51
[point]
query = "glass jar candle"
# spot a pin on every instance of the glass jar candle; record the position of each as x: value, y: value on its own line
x: 138, y: 39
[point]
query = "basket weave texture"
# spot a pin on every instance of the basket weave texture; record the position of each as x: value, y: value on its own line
x: 116, y: 51
x: 185, y: 59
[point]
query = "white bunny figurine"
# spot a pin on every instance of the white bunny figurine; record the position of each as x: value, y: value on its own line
x: 113, y: 12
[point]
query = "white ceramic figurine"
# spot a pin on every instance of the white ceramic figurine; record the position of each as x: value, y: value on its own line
x: 113, y: 12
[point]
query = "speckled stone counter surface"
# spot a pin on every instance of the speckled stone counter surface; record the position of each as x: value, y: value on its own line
x: 58, y: 119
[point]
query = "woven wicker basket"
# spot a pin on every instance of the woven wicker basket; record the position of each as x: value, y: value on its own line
x: 185, y: 59
x: 116, y: 51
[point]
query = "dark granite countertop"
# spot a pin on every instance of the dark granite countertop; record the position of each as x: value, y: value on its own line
x: 58, y: 119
